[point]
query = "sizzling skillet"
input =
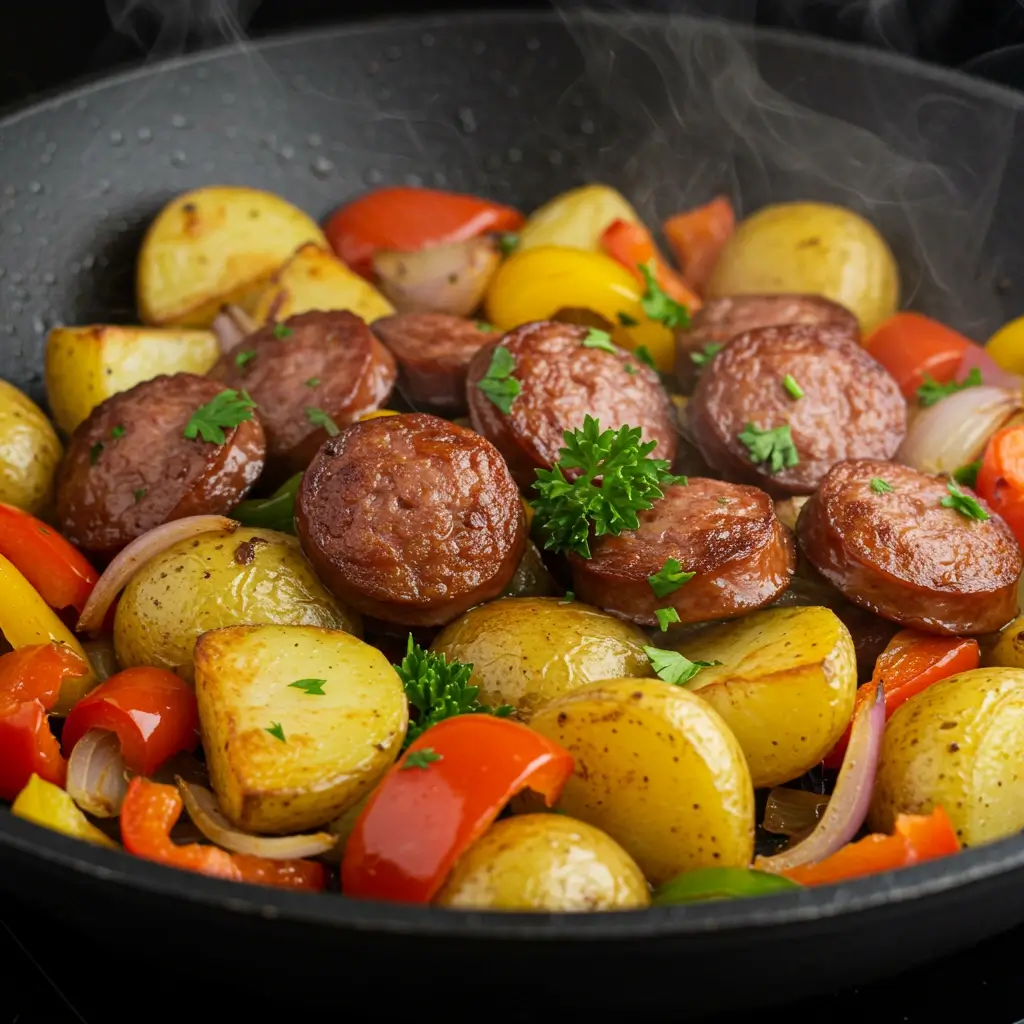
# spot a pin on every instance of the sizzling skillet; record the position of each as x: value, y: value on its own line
x: 507, y: 106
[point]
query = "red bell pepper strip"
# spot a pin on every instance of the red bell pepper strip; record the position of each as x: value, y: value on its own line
x: 1001, y: 477
x: 30, y: 681
x: 632, y: 245
x: 440, y: 797
x: 910, y: 663
x: 407, y: 219
x: 153, y: 712
x: 697, y: 238
x: 150, y: 811
x: 915, y: 839
x: 911, y: 346
x: 56, y: 569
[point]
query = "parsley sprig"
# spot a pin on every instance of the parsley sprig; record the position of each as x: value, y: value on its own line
x: 669, y: 578
x: 660, y: 306
x: 665, y: 617
x: 313, y: 687
x: 497, y: 383
x: 438, y: 689
x: 617, y: 479
x: 880, y: 486
x: 421, y: 759
x: 673, y: 667
x: 963, y: 503
x: 774, y: 447
x: 706, y: 354
x: 319, y: 418
x: 596, y: 338
x: 931, y: 391
x: 968, y: 475
x: 229, y: 409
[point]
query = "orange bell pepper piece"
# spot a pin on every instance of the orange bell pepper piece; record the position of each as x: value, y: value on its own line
x: 632, y: 245
x: 1001, y: 477
x: 911, y: 346
x: 697, y: 238
x: 916, y: 838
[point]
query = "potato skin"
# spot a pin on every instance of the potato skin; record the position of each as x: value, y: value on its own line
x: 545, y: 862
x: 785, y: 688
x: 657, y: 769
x: 29, y: 452
x: 215, y: 580
x: 526, y: 651
x: 811, y: 249
x: 958, y: 744
x: 1004, y: 649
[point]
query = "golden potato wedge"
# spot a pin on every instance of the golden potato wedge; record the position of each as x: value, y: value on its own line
x: 576, y: 219
x: 658, y: 770
x: 526, y: 651
x: 215, y: 580
x: 86, y: 365
x: 30, y: 452
x: 314, y: 278
x: 959, y: 745
x: 285, y: 758
x: 545, y: 862
x: 214, y: 246
x: 785, y: 686
x: 1004, y: 649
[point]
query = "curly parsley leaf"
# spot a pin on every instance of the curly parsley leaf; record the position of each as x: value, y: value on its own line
x: 421, y: 759
x: 931, y: 391
x: 968, y: 475
x: 596, y: 338
x: 880, y: 486
x: 229, y: 409
x: 669, y: 578
x: 319, y: 418
x: 706, y: 354
x: 244, y: 358
x: 314, y: 687
x: 660, y: 306
x: 438, y: 689
x: 673, y: 667
x: 497, y: 383
x: 626, y: 320
x: 665, y: 617
x: 774, y: 447
x: 963, y: 503
x: 614, y: 478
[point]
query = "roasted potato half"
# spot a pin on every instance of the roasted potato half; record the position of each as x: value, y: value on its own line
x: 657, y: 769
x: 526, y: 651
x: 86, y: 365
x: 545, y: 862
x: 785, y: 685
x: 314, y: 278
x: 215, y: 246
x: 284, y: 758
x: 1004, y: 649
x: 959, y: 745
x: 215, y: 580
x: 30, y: 452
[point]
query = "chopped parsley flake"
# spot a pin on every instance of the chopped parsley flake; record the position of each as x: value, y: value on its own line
x: 281, y: 331
x: 421, y: 758
x: 879, y: 486
x: 596, y: 338
x: 665, y: 617
x: 794, y: 390
x: 774, y: 447
x: 706, y: 354
x: 314, y: 687
x: 963, y: 503
x: 673, y: 667
x: 277, y: 731
x: 320, y: 419
x: 669, y: 578
x: 660, y: 306
x: 498, y: 384
x: 244, y: 358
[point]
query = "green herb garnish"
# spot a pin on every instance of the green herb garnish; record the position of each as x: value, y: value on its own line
x: 314, y: 687
x: 118, y: 431
x: 95, y: 452
x: 774, y: 447
x: 673, y: 667
x: 931, y: 391
x: 706, y: 354
x: 631, y: 482
x: 227, y: 410
x: 630, y: 369
x: 597, y: 338
x: 281, y: 331
x: 277, y: 731
x: 313, y: 382
x: 669, y: 578
x: 508, y: 242
x: 644, y: 355
x: 498, y: 384
x: 139, y: 493
x: 963, y: 503
x: 483, y: 325
x: 421, y: 759
x: 243, y: 359
x: 879, y: 486
x: 274, y: 513
x: 968, y: 475
x: 660, y: 306
x: 665, y: 617
x: 320, y: 419
x: 568, y: 597
x: 794, y: 390
x: 627, y: 321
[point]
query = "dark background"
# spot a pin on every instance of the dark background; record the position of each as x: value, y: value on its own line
x: 54, y: 976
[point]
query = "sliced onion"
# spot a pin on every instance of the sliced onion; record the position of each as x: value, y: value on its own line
x: 848, y: 806
x: 954, y: 431
x: 991, y: 372
x: 97, y: 778
x: 443, y: 279
x: 231, y: 325
x: 793, y: 812
x: 202, y: 808
x: 116, y: 576
x: 101, y: 657
x: 787, y: 510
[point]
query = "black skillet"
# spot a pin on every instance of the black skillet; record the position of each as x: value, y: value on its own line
x: 518, y: 107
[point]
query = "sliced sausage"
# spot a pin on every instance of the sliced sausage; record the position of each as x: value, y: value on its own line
x: 411, y: 519
x: 560, y: 381
x: 906, y: 557
x: 719, y: 320
x: 727, y: 535
x: 843, y: 406
x: 434, y: 351
x: 314, y: 370
x: 129, y: 467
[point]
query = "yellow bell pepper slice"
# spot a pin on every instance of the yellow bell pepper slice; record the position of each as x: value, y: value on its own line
x: 576, y: 219
x: 533, y: 284
x: 25, y: 619
x: 48, y: 805
x: 1006, y: 346
x: 376, y: 414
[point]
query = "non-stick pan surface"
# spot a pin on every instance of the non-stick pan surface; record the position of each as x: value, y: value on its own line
x: 518, y: 107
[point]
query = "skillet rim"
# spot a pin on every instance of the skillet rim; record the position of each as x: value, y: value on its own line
x: 892, y: 889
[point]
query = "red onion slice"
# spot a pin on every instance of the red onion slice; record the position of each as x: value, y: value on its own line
x: 116, y: 576
x: 231, y: 325
x: 991, y: 373
x: 97, y: 777
x: 202, y: 808
x: 848, y: 806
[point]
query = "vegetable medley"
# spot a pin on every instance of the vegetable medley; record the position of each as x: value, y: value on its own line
x: 446, y: 555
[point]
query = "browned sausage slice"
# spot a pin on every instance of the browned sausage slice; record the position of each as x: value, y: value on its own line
x: 129, y: 467
x: 312, y: 366
x: 841, y: 405
x: 434, y: 351
x: 904, y: 556
x: 727, y: 535
x: 411, y: 519
x: 561, y: 380
x: 719, y: 320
